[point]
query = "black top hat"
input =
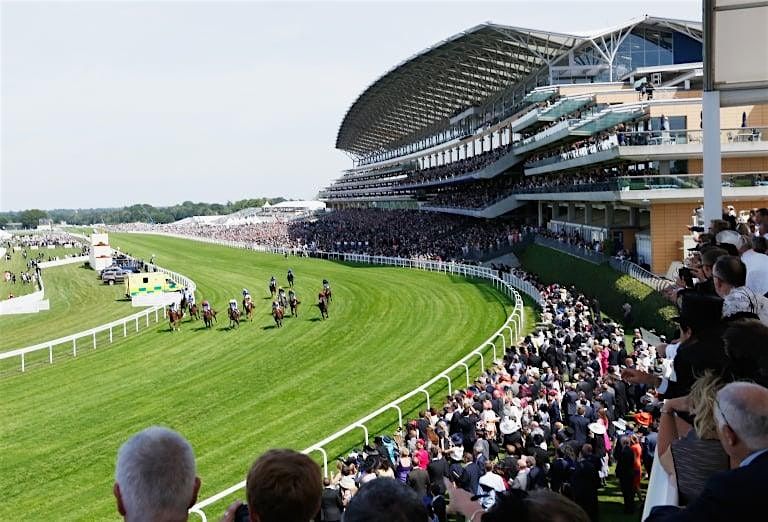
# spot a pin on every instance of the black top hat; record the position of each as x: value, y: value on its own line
x: 699, y: 310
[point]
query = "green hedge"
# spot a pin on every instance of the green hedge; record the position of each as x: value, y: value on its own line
x: 612, y: 288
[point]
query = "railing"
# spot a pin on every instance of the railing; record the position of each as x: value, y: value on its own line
x: 620, y: 265
x: 511, y: 327
x: 587, y: 254
x: 683, y: 136
x: 132, y: 320
x: 580, y: 152
x: 650, y: 182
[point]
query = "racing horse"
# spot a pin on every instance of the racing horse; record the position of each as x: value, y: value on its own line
x: 290, y: 279
x: 322, y: 304
x: 277, y: 314
x: 272, y: 288
x: 209, y: 316
x: 294, y: 306
x: 183, y: 303
x: 234, y: 318
x: 327, y: 294
x: 282, y: 299
x: 248, y: 307
x: 174, y: 318
x: 194, y: 313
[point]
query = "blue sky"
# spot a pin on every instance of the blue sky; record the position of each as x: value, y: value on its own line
x: 114, y: 103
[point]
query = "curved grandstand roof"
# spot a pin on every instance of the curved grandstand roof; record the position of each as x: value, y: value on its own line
x: 455, y: 74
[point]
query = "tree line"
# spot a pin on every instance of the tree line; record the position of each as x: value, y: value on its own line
x: 141, y: 212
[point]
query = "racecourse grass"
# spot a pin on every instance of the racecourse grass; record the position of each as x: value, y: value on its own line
x: 18, y: 264
x: 79, y: 301
x: 233, y: 393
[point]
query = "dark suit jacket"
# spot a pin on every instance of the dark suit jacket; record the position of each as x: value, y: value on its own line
x: 580, y: 424
x: 737, y: 494
x: 330, y: 505
x: 438, y: 470
x: 693, y: 358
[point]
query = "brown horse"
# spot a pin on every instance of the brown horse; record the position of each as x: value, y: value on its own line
x: 174, y: 318
x: 183, y: 304
x: 209, y: 316
x: 272, y: 289
x: 294, y: 306
x: 328, y: 295
x: 234, y: 318
x: 277, y: 314
x: 322, y: 304
x: 194, y: 313
x: 248, y: 307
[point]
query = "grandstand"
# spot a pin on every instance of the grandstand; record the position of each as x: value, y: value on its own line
x: 285, y: 210
x: 597, y: 133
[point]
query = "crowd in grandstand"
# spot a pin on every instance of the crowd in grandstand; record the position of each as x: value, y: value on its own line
x: 457, y: 168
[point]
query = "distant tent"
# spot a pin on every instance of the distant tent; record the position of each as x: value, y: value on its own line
x: 266, y: 204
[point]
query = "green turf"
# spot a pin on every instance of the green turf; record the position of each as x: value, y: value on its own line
x: 18, y: 264
x: 234, y: 394
x: 79, y: 301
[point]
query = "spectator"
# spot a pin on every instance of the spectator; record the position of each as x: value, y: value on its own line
x: 155, y: 477
x: 585, y: 483
x: 282, y: 486
x: 741, y: 413
x: 331, y: 505
x: 730, y: 276
x: 385, y: 500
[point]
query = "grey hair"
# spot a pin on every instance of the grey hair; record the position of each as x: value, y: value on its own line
x: 744, y: 407
x: 156, y: 474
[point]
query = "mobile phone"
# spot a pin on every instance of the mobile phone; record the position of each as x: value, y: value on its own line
x: 686, y: 275
x: 241, y: 514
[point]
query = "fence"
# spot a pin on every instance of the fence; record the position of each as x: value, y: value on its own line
x: 132, y: 320
x: 620, y: 265
x: 511, y: 327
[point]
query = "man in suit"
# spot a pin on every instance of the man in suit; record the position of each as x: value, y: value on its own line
x: 580, y: 424
x: 741, y: 414
x: 437, y: 469
x: 331, y: 505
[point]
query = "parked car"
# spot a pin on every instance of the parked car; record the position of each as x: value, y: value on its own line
x: 112, y: 275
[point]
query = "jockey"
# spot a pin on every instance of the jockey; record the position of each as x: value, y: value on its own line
x: 275, y: 305
x: 291, y: 294
x: 281, y: 292
x: 206, y: 306
x: 326, y: 286
x: 273, y: 281
x: 233, y: 304
x: 190, y: 298
x: 174, y: 306
x: 245, y: 292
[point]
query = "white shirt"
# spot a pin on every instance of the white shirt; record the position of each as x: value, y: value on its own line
x: 757, y: 271
x: 494, y: 481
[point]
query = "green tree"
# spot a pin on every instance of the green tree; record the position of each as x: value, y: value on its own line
x: 31, y: 218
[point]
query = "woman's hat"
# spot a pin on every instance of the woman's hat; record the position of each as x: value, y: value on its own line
x: 620, y: 424
x: 508, y: 426
x: 347, y: 482
x: 457, y: 453
x: 643, y: 418
x: 598, y: 428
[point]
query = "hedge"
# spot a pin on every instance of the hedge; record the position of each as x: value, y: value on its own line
x: 649, y: 309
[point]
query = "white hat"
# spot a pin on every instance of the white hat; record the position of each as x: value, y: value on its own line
x: 347, y: 482
x: 606, y: 342
x: 620, y: 424
x: 598, y: 428
x: 457, y: 453
x: 516, y: 401
x: 508, y: 426
x: 731, y: 237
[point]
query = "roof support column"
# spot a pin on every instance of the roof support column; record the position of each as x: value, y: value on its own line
x: 634, y: 216
x: 474, y: 147
x: 587, y: 213
x: 713, y: 188
x: 541, y: 213
x: 465, y: 151
x: 571, y: 212
x: 608, y: 215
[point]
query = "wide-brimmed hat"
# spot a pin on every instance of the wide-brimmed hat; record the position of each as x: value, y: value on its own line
x: 456, y: 453
x: 620, y: 424
x: 509, y: 425
x: 347, y: 482
x: 643, y: 418
x: 598, y: 428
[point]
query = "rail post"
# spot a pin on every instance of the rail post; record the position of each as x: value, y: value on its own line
x: 325, y: 458
x: 110, y: 334
x: 74, y: 347
x: 466, y: 369
x: 448, y: 378
x: 94, y: 340
x: 50, y: 353
x: 425, y: 392
x: 22, y: 361
x: 125, y: 328
x: 365, y: 430
x: 399, y: 414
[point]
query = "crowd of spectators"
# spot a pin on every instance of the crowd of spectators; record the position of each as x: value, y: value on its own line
x: 457, y: 168
x: 539, y: 429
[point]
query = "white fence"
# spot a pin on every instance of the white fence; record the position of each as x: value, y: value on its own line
x: 131, y: 321
x: 507, y: 335
x: 63, y: 261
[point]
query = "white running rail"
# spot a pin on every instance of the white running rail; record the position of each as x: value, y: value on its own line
x: 508, y: 334
x: 132, y: 320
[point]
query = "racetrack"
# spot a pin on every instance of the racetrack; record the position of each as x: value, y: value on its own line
x: 233, y: 393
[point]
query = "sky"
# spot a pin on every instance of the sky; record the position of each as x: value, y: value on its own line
x: 105, y: 104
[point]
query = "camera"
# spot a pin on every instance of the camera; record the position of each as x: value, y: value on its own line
x: 686, y: 275
x: 241, y: 514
